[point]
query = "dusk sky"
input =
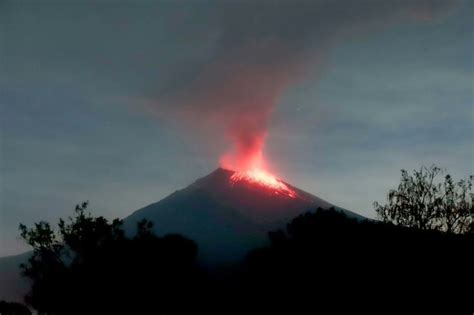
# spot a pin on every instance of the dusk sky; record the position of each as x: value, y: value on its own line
x: 122, y: 103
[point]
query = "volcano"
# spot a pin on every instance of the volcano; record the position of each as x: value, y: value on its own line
x: 226, y: 213
x: 229, y: 213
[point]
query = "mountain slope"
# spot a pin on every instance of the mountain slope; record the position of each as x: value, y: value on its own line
x: 226, y: 218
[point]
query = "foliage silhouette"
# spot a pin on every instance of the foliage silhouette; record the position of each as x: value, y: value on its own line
x: 322, y: 259
x: 325, y: 259
x: 13, y: 308
x: 90, y: 267
x: 422, y: 202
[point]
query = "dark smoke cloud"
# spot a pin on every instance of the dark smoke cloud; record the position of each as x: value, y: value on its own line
x: 262, y: 49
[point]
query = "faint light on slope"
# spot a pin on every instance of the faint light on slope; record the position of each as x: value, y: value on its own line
x: 265, y: 179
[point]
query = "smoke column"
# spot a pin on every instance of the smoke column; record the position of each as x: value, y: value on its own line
x: 263, y: 48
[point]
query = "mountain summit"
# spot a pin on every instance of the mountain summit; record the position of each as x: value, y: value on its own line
x: 228, y: 213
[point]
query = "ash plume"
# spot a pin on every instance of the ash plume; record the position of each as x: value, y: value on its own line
x: 262, y: 48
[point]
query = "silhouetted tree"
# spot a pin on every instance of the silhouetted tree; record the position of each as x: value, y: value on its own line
x: 328, y: 260
x: 89, y: 266
x: 13, y: 308
x: 423, y: 202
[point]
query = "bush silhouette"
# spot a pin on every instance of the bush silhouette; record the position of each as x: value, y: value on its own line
x: 326, y: 259
x: 90, y: 267
x: 423, y: 202
x: 13, y: 308
x: 322, y: 259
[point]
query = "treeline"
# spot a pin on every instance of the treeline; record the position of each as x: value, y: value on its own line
x: 90, y: 267
x: 322, y: 259
x: 325, y: 259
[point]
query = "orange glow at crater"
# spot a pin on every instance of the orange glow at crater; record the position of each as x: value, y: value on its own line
x: 263, y: 178
x: 247, y: 161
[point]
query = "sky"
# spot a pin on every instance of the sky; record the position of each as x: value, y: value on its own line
x: 122, y: 103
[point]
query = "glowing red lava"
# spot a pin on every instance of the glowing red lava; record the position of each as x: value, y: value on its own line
x: 263, y: 178
x: 248, y: 162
